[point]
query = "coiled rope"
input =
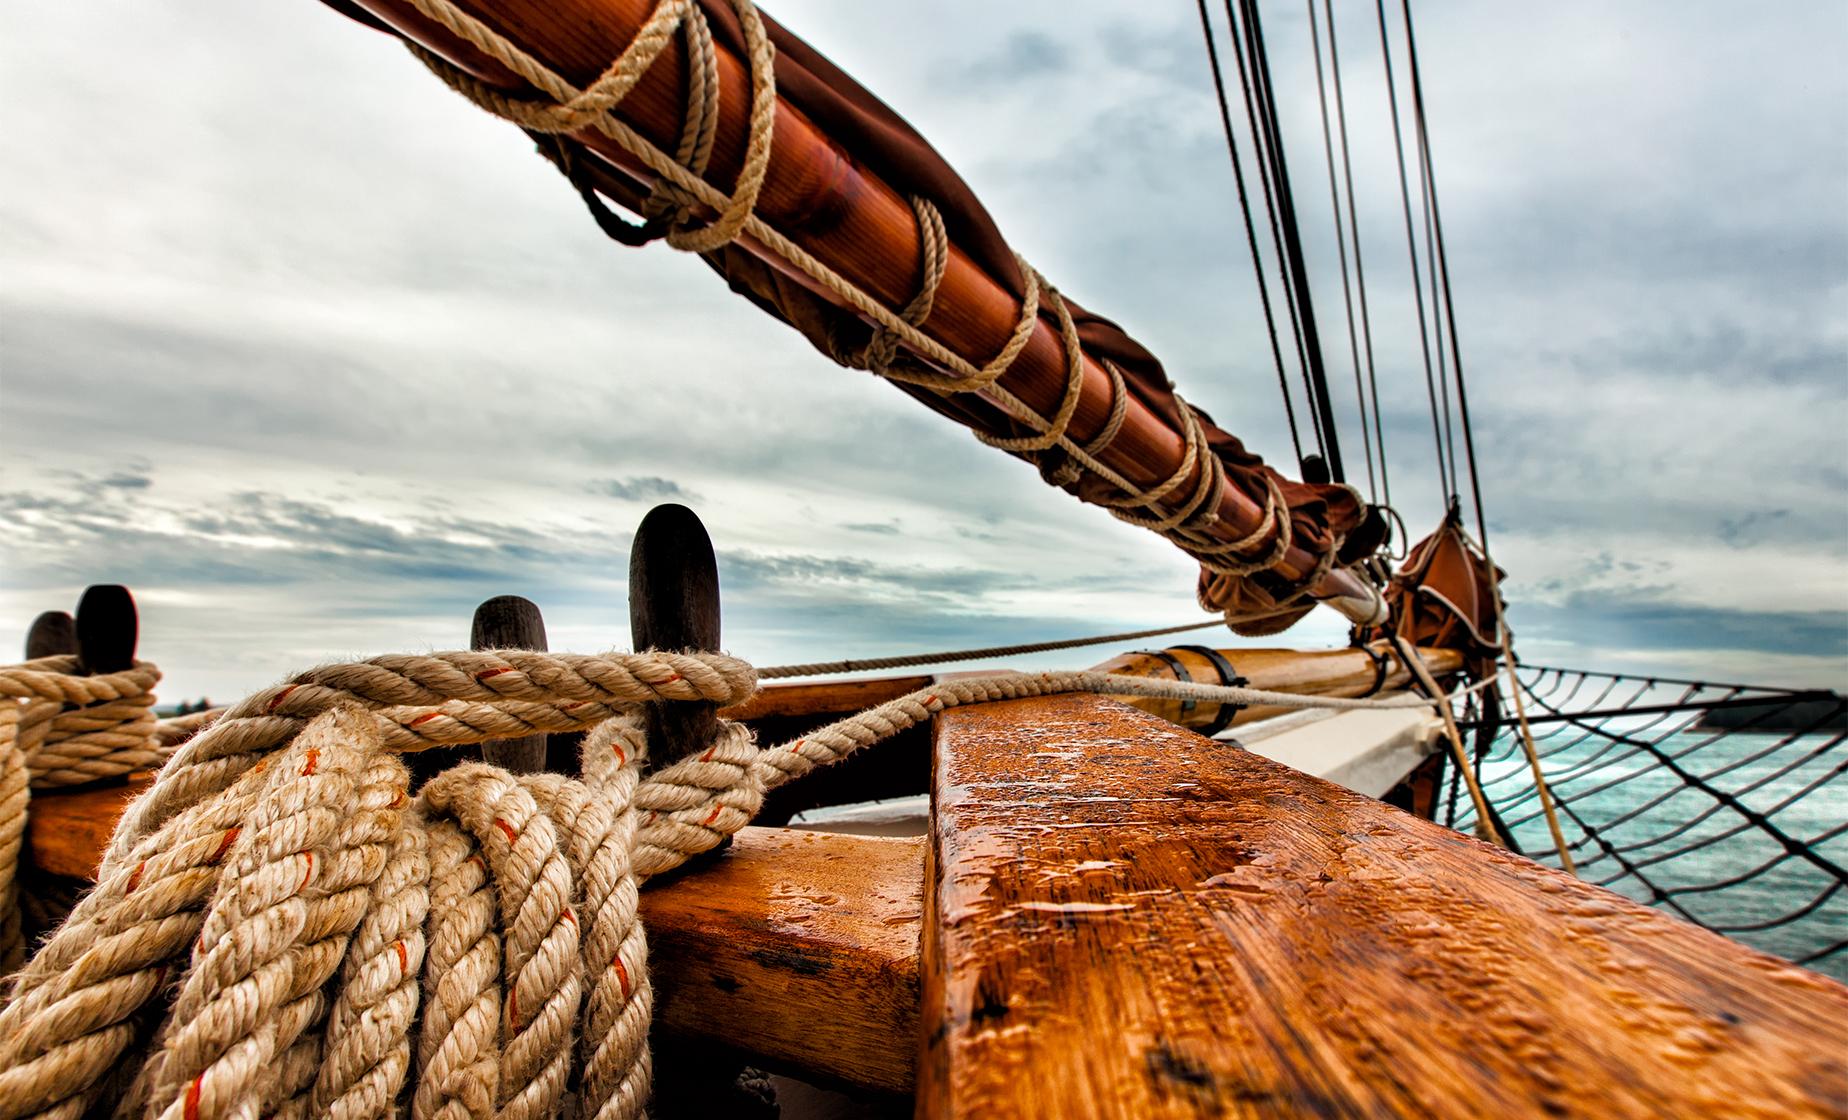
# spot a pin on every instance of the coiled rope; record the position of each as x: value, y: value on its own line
x: 322, y: 925
x: 561, y: 108
x: 60, y: 727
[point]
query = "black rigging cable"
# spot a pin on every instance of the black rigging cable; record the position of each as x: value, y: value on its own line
x: 1411, y: 249
x: 1251, y: 233
x: 1347, y: 288
x: 1360, y: 271
x: 1424, y: 144
x: 1263, y: 156
x: 1286, y: 207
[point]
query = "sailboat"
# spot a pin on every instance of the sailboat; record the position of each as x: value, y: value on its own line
x: 1191, y: 881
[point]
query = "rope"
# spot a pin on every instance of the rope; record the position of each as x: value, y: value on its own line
x: 825, y: 668
x: 281, y: 874
x: 60, y: 727
x: 564, y: 108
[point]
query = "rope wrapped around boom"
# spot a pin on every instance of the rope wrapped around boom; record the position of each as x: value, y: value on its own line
x: 1266, y: 545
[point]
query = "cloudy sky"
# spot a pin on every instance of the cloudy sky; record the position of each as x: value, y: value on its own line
x: 315, y: 357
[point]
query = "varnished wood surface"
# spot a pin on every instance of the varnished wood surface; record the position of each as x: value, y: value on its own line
x: 839, y: 211
x: 67, y: 830
x: 800, y: 948
x: 844, y: 697
x: 1129, y: 920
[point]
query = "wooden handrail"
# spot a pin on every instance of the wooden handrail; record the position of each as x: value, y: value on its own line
x: 846, y: 216
x: 1126, y: 919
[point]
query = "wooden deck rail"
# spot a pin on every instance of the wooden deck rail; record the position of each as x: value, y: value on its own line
x: 1126, y: 919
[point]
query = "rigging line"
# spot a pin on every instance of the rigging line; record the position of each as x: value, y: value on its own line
x: 1450, y: 313
x: 1411, y: 250
x: 1286, y: 203
x: 1347, y: 290
x: 1251, y: 233
x: 1261, y: 154
x: 1437, y: 319
x: 1360, y: 272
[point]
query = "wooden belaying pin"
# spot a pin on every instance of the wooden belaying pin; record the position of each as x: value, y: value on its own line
x: 53, y: 634
x: 107, y: 629
x: 674, y: 606
x: 510, y: 622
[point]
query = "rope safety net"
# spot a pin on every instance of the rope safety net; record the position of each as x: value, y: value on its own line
x: 282, y: 926
x: 1707, y: 800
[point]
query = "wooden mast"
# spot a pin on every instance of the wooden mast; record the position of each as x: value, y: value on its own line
x: 848, y: 218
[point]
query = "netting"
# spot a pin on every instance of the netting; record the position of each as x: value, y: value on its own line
x: 1718, y: 802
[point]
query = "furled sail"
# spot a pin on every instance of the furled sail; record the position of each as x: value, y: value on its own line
x: 735, y: 139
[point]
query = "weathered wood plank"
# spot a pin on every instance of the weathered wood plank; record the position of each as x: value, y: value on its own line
x: 1129, y: 920
x: 798, y: 948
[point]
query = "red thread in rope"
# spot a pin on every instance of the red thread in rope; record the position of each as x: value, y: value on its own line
x: 280, y: 697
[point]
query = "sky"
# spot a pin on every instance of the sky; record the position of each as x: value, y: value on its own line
x: 314, y: 356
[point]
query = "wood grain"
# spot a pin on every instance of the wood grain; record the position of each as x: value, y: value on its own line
x: 798, y: 948
x: 1131, y: 920
x: 52, y: 633
x: 845, y: 215
x: 67, y: 831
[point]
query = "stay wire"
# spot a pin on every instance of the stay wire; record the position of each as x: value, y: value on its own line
x: 1469, y: 438
x: 1360, y: 271
x: 1411, y: 250
x: 1286, y: 204
x: 1251, y: 233
x: 1347, y: 287
x: 1261, y: 153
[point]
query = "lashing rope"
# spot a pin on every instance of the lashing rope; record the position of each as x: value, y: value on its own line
x: 564, y: 108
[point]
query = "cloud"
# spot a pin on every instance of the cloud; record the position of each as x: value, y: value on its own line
x: 640, y: 488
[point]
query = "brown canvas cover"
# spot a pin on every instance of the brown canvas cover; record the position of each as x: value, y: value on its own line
x: 1442, y: 596
x: 1322, y: 516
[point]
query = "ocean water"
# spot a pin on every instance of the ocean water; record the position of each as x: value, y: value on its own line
x: 1688, y: 851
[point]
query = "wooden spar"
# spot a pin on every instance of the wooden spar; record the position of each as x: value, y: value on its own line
x: 1335, y: 672
x: 1126, y: 919
x: 510, y: 622
x: 848, y: 218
